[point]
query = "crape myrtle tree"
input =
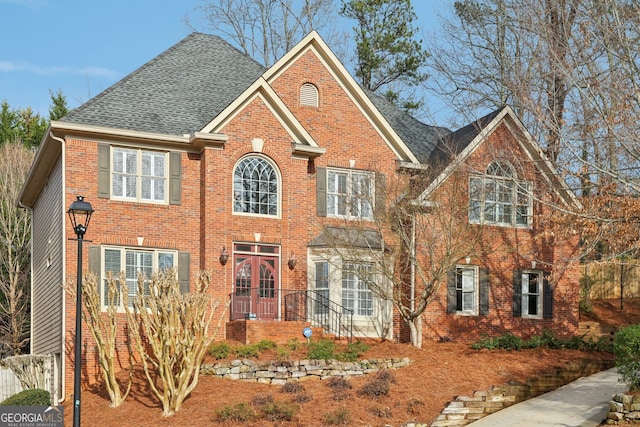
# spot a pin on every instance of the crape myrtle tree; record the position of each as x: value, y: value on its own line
x: 417, y: 243
x: 390, y: 60
x: 15, y: 238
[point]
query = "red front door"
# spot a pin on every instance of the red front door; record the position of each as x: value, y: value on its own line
x: 256, y: 282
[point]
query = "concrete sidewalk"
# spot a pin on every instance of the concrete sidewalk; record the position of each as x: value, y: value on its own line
x: 583, y: 403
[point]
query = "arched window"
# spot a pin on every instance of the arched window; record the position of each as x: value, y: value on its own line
x: 255, y: 187
x: 499, y: 198
x: 309, y: 95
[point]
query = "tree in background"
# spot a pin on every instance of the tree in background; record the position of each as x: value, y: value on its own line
x: 267, y: 29
x: 414, y: 246
x: 25, y: 125
x: 15, y: 238
x: 390, y: 60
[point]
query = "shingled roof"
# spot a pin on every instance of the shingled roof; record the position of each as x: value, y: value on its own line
x: 178, y: 92
x: 184, y: 88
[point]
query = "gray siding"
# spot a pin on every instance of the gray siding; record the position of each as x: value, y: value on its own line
x: 46, y: 258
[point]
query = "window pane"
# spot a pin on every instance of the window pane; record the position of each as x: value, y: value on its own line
x: 165, y: 260
x: 255, y: 187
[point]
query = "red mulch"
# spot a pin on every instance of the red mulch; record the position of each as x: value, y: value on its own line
x: 440, y: 372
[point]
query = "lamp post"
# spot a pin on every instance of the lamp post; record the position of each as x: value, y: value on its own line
x: 79, y: 213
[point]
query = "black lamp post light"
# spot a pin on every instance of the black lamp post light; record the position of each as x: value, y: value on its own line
x: 79, y: 213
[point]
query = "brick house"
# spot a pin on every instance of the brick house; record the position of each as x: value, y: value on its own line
x: 202, y: 159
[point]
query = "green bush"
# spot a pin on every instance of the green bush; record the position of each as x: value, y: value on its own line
x: 279, y: 411
x: 238, y: 412
x: 33, y: 397
x: 219, y: 350
x: 507, y: 341
x: 321, y: 350
x: 247, y: 351
x: 626, y: 348
x: 339, y: 417
x: 264, y: 345
x: 353, y: 351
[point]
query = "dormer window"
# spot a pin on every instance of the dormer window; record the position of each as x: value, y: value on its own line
x: 308, y: 95
x: 499, y: 198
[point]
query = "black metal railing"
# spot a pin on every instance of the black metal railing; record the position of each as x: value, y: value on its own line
x: 317, y: 308
x: 307, y: 306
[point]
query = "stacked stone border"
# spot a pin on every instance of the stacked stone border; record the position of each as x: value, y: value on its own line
x: 467, y: 409
x: 623, y: 409
x: 281, y: 372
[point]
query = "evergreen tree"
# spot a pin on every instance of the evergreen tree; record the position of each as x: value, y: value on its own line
x: 390, y: 60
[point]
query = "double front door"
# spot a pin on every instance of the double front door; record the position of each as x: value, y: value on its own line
x: 256, y: 284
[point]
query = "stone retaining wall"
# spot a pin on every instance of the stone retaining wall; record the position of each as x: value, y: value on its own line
x: 467, y: 409
x: 281, y: 372
x: 624, y: 409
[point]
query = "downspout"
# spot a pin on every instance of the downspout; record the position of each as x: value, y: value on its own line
x: 62, y: 376
x: 413, y: 261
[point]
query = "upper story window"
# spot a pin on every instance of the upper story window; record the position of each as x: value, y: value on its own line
x: 499, y: 198
x: 349, y: 194
x: 309, y: 95
x: 139, y: 175
x: 255, y: 187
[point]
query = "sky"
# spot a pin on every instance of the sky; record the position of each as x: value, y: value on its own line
x: 82, y: 47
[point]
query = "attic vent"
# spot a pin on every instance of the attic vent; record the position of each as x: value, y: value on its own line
x: 309, y: 95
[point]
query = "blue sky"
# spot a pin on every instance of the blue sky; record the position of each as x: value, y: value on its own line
x: 82, y: 47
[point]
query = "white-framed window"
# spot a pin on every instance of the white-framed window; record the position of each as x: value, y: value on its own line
x: 499, y: 198
x: 532, y: 288
x: 350, y: 193
x: 321, y: 295
x: 356, y: 293
x: 133, y: 262
x: 342, y: 284
x: 256, y: 188
x: 467, y: 290
x: 139, y: 175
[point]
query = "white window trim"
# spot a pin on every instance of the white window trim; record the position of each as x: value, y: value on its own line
x: 350, y: 173
x: 476, y: 290
x: 518, y: 186
x: 138, y: 197
x: 278, y: 214
x: 335, y: 282
x: 540, y: 306
x: 123, y: 250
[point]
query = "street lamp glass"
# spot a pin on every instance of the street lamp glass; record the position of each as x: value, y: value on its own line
x: 80, y: 213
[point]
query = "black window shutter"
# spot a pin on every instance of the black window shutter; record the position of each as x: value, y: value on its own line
x: 183, y: 271
x: 103, y: 171
x: 321, y: 191
x: 517, y: 293
x: 380, y: 196
x: 547, y: 299
x: 451, y: 292
x: 484, y: 291
x: 175, y: 178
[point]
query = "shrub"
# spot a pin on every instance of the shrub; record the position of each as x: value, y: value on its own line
x: 32, y: 397
x: 381, y: 412
x: 293, y: 344
x: 247, y: 351
x: 338, y: 383
x: 626, y: 348
x: 353, y: 351
x: 239, y: 412
x: 282, y: 353
x: 264, y: 345
x: 279, y: 411
x: 262, y: 399
x: 339, y: 417
x: 292, y: 387
x: 322, y: 350
x: 220, y: 350
x: 302, y: 398
x: 375, y: 388
x: 414, y: 406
